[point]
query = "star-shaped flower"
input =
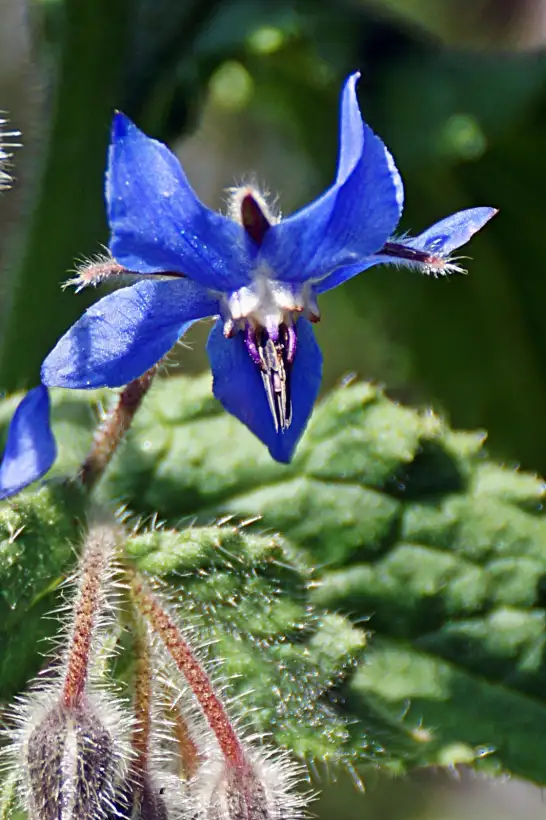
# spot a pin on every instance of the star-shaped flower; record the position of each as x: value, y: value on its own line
x: 257, y: 273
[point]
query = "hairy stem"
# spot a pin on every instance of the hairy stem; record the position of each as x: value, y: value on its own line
x: 97, y: 553
x: 187, y: 749
x: 113, y: 427
x: 188, y: 664
x: 142, y: 705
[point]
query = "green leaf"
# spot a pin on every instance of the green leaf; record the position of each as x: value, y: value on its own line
x: 38, y: 533
x: 386, y: 518
x: 248, y: 594
x: 411, y: 527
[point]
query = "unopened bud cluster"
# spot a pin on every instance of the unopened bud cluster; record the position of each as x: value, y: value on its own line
x: 80, y: 752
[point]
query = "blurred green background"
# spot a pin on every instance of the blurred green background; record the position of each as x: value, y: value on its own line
x: 249, y: 89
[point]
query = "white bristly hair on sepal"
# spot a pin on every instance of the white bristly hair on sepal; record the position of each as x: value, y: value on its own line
x: 236, y: 777
x: 6, y: 144
x: 264, y: 786
x: 68, y: 738
x: 68, y: 761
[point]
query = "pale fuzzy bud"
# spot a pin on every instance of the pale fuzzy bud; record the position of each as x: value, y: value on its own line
x: 69, y: 741
x: 261, y: 788
x: 143, y: 802
x: 70, y: 759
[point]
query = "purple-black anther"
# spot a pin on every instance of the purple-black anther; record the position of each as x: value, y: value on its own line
x: 291, y: 343
x: 251, y: 344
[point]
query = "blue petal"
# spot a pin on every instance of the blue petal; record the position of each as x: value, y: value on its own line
x: 126, y: 333
x: 347, y: 272
x: 351, y: 141
x: 439, y: 240
x: 352, y: 219
x: 238, y: 386
x: 157, y: 222
x: 450, y: 233
x: 30, y: 448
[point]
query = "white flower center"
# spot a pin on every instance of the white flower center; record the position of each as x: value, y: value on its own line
x: 266, y: 312
x: 268, y: 304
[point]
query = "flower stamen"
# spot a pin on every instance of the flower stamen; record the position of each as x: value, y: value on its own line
x: 251, y: 343
x: 275, y: 361
x: 266, y: 313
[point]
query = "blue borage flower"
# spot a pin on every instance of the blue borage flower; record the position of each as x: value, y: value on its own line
x: 258, y: 273
x: 30, y: 447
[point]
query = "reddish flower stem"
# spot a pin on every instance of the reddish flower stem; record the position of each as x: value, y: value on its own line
x: 97, y: 552
x: 187, y: 749
x: 196, y: 677
x: 112, y: 429
x: 142, y: 704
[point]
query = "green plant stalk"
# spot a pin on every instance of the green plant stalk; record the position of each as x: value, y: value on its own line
x: 66, y: 219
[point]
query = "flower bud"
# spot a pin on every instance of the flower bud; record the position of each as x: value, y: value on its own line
x: 72, y: 765
x: 233, y: 780
x: 69, y: 745
x: 140, y: 802
x: 69, y: 758
x: 261, y: 788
